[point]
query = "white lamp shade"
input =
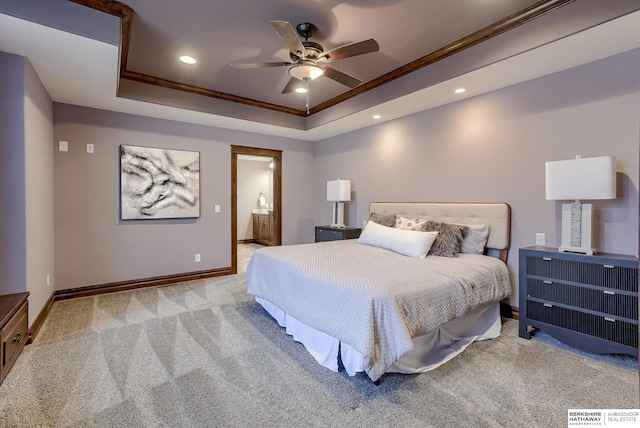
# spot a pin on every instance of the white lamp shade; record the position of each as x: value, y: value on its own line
x: 339, y: 190
x: 581, y: 179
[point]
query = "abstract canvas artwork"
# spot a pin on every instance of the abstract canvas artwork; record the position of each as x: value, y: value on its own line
x: 159, y: 183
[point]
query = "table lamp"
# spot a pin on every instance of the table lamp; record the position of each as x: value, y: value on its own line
x: 337, y: 192
x: 579, y: 179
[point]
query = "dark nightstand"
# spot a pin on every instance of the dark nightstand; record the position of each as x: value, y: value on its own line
x: 14, y: 309
x: 328, y: 233
x: 589, y: 302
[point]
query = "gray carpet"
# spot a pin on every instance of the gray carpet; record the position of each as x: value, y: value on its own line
x: 203, y: 354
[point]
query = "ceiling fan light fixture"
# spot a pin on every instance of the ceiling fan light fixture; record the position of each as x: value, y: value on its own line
x: 306, y: 71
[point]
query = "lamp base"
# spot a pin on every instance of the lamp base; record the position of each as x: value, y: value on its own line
x: 338, y: 216
x: 576, y: 228
x: 582, y: 250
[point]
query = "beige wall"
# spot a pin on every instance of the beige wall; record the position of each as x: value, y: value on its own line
x: 93, y: 246
x: 12, y: 175
x: 493, y: 148
x: 39, y: 193
x: 486, y: 148
x: 26, y: 184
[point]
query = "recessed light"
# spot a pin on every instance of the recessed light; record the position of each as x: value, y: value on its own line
x: 376, y: 116
x: 459, y: 90
x: 301, y: 90
x: 188, y: 59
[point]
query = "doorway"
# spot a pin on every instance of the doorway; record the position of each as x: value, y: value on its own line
x: 274, y: 156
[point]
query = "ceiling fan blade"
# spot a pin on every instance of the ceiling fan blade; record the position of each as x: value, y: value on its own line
x: 352, y: 49
x: 289, y: 36
x: 341, y: 77
x: 291, y: 85
x: 241, y: 65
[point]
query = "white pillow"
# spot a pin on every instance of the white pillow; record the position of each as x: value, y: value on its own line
x: 406, y: 242
x: 476, y: 239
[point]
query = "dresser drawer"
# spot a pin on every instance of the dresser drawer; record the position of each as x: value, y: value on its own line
x: 327, y: 233
x: 599, y: 274
x: 603, y: 300
x: 625, y: 333
x: 14, y: 337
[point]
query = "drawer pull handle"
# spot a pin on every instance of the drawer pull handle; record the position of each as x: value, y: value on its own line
x: 548, y: 305
x: 18, y: 338
x: 546, y: 259
x: 547, y: 282
x: 609, y: 266
x: 609, y: 319
x: 609, y: 292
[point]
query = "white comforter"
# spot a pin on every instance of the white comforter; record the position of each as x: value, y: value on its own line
x: 370, y: 298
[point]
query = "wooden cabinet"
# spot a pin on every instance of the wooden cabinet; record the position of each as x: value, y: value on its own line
x: 264, y: 229
x: 13, y: 329
x: 589, y: 302
x: 328, y: 233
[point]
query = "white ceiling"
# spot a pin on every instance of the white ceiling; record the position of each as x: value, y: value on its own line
x: 82, y: 71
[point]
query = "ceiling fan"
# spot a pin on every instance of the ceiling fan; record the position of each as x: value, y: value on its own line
x: 308, y: 59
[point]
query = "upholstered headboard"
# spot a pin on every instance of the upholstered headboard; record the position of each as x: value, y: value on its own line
x: 496, y: 215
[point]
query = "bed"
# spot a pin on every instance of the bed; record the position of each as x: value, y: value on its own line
x: 376, y: 311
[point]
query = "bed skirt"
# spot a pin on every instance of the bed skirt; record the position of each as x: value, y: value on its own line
x: 430, y: 350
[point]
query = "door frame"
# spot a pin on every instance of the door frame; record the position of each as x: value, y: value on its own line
x: 277, y: 195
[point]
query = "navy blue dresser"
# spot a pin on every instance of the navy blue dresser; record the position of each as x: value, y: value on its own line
x: 587, y: 302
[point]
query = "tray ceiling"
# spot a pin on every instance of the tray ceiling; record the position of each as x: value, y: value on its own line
x: 422, y: 44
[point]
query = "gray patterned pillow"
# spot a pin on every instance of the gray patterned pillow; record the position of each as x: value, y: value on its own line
x: 384, y: 219
x: 414, y: 223
x: 449, y: 240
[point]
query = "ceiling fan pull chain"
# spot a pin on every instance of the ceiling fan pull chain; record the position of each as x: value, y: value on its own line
x: 307, y: 84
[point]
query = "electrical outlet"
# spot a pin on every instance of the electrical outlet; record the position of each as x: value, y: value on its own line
x: 197, y: 258
x: 90, y: 148
x: 216, y: 208
x: 63, y: 146
x: 540, y: 239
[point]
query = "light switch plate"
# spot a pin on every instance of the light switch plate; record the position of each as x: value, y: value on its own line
x: 89, y: 148
x: 63, y: 146
x: 540, y: 239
